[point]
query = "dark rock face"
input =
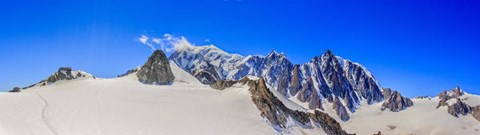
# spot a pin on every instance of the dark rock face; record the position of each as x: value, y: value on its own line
x: 459, y: 108
x: 156, y: 70
x: 63, y: 73
x: 295, y: 83
x: 363, y: 82
x: 328, y: 124
x: 476, y: 112
x: 395, y: 101
x: 15, y: 89
x: 340, y: 109
x: 222, y: 84
x: 332, y: 71
x: 447, y: 95
x: 278, y: 114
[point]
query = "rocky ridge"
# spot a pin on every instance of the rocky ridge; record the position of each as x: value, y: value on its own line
x: 394, y: 101
x: 459, y: 107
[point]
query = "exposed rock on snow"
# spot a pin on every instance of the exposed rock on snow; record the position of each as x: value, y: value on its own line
x: 447, y: 95
x: 62, y: 74
x: 476, y: 112
x: 279, y: 115
x: 222, y: 84
x: 459, y: 108
x: 15, y: 89
x: 156, y: 70
x: 395, y: 101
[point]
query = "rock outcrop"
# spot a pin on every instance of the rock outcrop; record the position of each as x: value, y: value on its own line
x: 278, y: 114
x: 222, y: 84
x: 395, y: 101
x: 447, y: 95
x: 62, y: 74
x: 156, y: 70
x: 459, y: 108
x: 15, y: 89
x: 476, y: 112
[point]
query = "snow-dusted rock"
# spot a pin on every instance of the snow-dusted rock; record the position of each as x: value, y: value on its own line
x: 394, y: 101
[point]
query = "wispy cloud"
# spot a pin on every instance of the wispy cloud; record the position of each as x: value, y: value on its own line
x: 145, y: 40
x: 168, y: 43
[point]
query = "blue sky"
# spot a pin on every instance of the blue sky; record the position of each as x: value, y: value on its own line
x: 419, y: 47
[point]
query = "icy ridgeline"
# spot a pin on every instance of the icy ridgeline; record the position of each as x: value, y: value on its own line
x: 326, y: 79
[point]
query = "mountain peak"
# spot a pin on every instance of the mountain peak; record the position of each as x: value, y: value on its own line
x: 274, y: 54
x: 156, y: 70
x: 457, y: 91
x: 328, y: 53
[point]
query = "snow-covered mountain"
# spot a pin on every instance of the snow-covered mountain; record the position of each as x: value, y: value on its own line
x: 324, y: 78
x: 245, y: 95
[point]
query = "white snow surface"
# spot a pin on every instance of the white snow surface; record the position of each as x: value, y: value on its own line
x: 421, y: 119
x: 124, y: 106
x: 470, y: 99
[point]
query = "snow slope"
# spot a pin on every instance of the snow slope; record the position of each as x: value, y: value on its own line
x: 421, y: 119
x: 124, y: 106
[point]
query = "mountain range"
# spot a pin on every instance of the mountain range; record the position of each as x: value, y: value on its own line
x: 205, y: 90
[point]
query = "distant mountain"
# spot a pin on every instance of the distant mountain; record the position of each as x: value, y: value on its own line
x: 460, y: 103
x: 62, y: 74
x: 324, y: 78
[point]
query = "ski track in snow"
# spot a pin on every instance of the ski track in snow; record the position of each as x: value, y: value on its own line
x: 44, y: 116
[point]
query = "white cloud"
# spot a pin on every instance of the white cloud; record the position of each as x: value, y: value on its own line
x: 168, y: 43
x: 156, y: 40
x: 145, y: 40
